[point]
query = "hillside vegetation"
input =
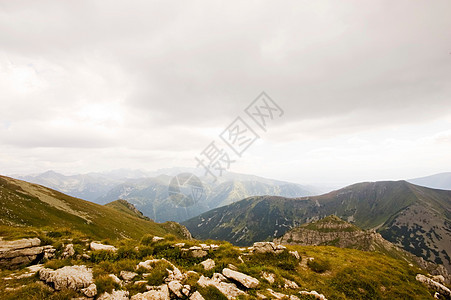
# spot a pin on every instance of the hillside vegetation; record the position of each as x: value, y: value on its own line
x: 30, y: 205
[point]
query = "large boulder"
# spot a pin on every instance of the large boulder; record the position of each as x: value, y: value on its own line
x: 228, y: 289
x: 246, y: 280
x: 265, y: 247
x: 99, y: 246
x: 21, y: 252
x: 69, y: 277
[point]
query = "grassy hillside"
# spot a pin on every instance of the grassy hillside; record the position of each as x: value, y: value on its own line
x: 25, y: 204
x: 126, y: 207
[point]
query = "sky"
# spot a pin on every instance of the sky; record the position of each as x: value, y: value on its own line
x: 364, y: 86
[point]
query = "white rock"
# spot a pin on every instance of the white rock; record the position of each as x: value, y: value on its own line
x: 90, y: 291
x: 246, y: 280
x: 70, y: 277
x: 208, y: 264
x: 288, y: 284
x: 98, y: 246
x: 179, y: 245
x: 277, y: 295
x: 270, y: 277
x: 186, y: 289
x: 295, y: 254
x: 438, y: 287
x: 314, y: 294
x: 205, y: 247
x: 158, y: 293
x: 176, y: 287
x: 196, y: 296
x: 228, y: 289
x: 157, y: 238
x: 114, y: 295
x: 197, y: 251
x: 69, y: 251
x: 115, y: 279
x: 126, y: 275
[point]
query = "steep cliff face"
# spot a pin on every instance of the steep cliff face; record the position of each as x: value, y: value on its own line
x: 332, y: 231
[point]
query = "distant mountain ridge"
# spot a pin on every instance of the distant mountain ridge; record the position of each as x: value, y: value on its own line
x: 148, y: 191
x: 440, y: 181
x: 418, y: 219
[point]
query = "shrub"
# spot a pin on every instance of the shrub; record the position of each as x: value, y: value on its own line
x: 58, y: 263
x: 105, y: 283
x: 147, y: 239
x: 210, y: 292
x: 126, y: 252
x: 102, y: 255
x: 158, y: 273
x: 319, y: 265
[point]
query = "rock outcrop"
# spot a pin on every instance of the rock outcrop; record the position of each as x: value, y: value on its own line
x: 230, y: 290
x: 246, y: 280
x: 21, y: 252
x: 69, y: 277
x: 436, y: 286
x: 267, y: 247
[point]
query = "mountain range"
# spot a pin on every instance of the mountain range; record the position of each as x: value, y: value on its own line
x: 148, y: 191
x: 418, y: 219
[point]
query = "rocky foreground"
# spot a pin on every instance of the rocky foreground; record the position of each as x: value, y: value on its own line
x: 209, y: 277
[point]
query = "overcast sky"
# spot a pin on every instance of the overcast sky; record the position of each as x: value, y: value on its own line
x: 98, y: 85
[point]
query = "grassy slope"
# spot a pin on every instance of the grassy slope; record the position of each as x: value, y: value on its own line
x: 22, y: 205
x: 124, y: 206
x: 351, y: 274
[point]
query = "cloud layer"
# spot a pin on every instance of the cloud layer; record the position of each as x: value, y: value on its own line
x: 96, y: 85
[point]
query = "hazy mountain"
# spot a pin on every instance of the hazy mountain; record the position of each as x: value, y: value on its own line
x: 415, y: 218
x: 148, y: 191
x: 85, y: 186
x: 440, y: 181
x: 26, y: 204
x: 150, y: 195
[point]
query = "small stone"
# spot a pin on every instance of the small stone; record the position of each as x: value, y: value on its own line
x: 157, y: 239
x: 127, y: 276
x: 295, y: 254
x: 176, y: 288
x: 90, y: 291
x: 208, y: 264
x: 270, y: 277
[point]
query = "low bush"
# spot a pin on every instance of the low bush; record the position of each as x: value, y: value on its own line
x: 319, y: 265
